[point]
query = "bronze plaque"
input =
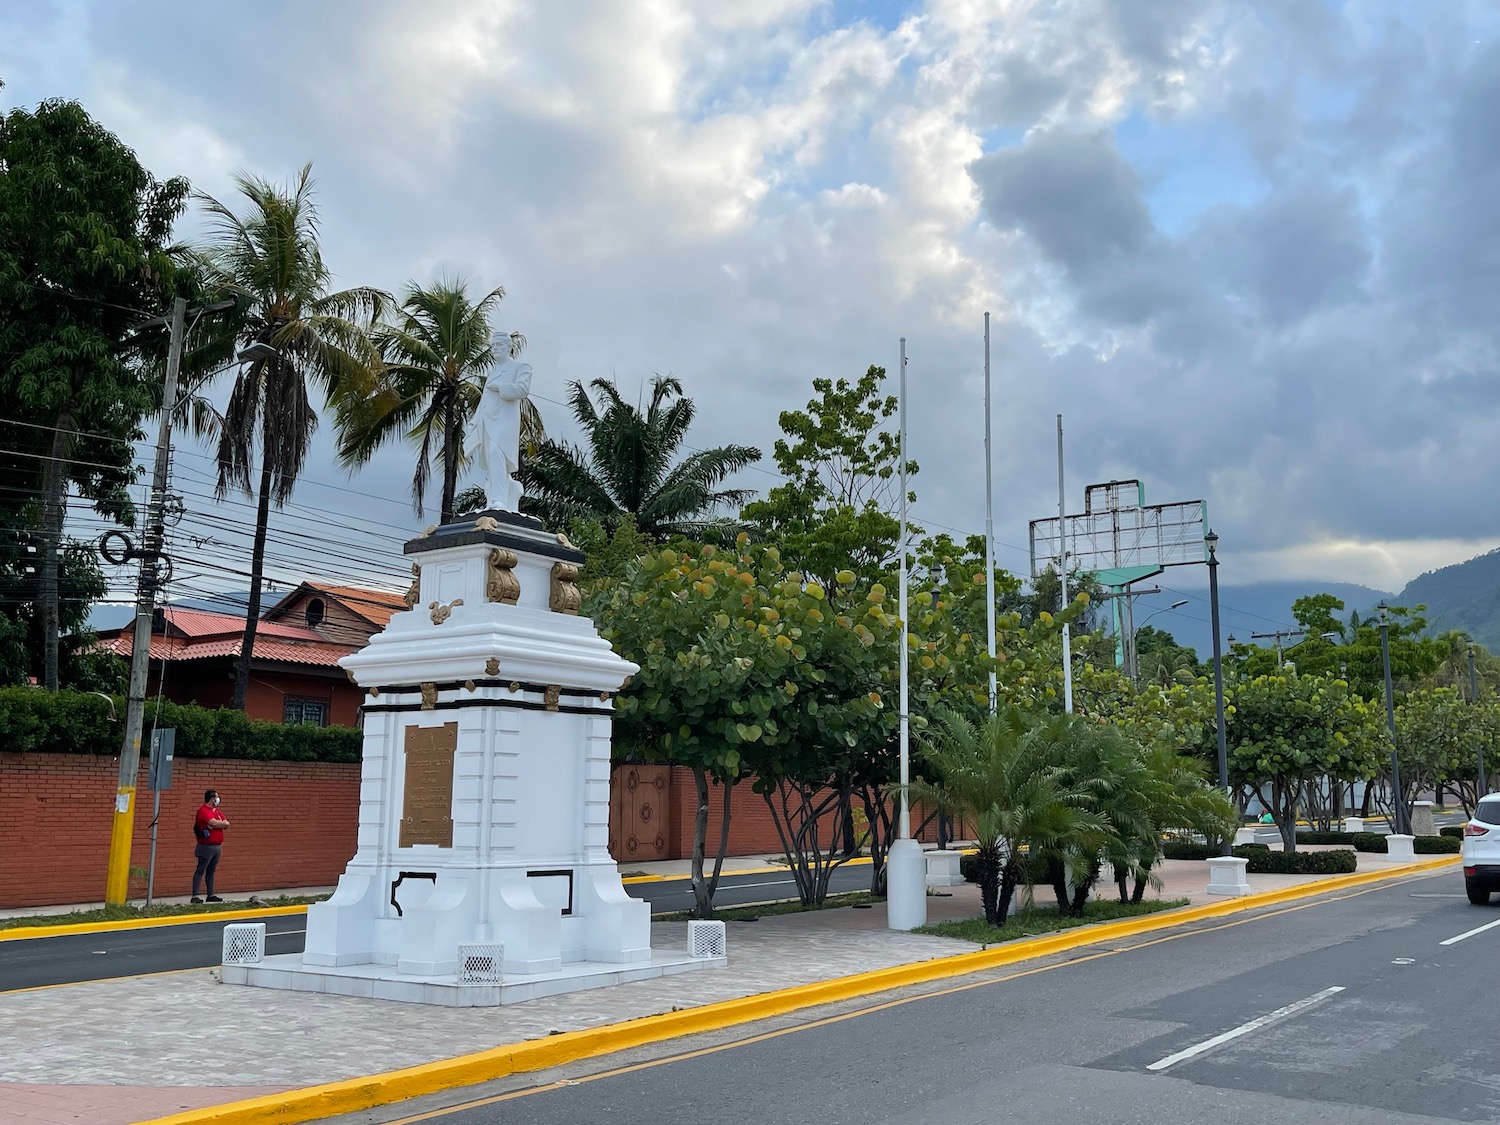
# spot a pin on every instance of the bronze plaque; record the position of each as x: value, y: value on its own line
x: 427, y: 805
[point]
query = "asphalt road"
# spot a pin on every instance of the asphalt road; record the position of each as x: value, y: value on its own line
x: 68, y: 959
x: 1367, y: 1009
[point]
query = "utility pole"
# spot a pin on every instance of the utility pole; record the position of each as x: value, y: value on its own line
x: 989, y: 526
x: 117, y: 885
x: 1278, y: 636
x: 1128, y: 656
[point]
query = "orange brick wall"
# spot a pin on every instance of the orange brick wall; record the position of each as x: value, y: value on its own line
x: 292, y: 825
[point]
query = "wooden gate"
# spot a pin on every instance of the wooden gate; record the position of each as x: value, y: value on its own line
x: 640, y: 813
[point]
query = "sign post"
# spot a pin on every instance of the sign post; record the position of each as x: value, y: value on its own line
x: 163, y: 742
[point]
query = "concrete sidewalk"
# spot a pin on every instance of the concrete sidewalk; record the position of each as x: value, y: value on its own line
x: 128, y: 1050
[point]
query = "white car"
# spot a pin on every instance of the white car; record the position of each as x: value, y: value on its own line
x: 1481, y: 851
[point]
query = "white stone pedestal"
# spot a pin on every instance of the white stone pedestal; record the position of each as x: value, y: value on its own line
x: 1422, y: 823
x: 1226, y: 875
x: 1354, y: 824
x: 1244, y: 835
x: 943, y: 869
x: 905, y: 886
x: 484, y: 788
x: 1399, y: 849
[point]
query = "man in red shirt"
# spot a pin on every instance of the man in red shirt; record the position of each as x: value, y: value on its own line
x: 208, y: 829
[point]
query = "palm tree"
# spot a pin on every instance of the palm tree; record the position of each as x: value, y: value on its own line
x: 293, y: 330
x: 435, y: 354
x: 1010, y: 786
x: 627, y: 469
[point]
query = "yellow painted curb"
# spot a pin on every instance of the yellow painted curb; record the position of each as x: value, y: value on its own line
x: 352, y: 1095
x: 686, y: 876
x: 19, y: 933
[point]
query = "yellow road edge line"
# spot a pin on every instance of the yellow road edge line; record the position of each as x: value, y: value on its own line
x: 354, y: 1094
x: 20, y: 933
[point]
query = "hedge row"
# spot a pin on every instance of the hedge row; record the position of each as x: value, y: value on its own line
x: 1187, y: 849
x: 34, y: 721
x: 1421, y: 845
x: 1263, y: 861
x: 1452, y: 830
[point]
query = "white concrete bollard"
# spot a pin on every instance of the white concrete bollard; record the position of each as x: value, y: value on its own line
x: 943, y: 870
x: 1226, y: 875
x: 1422, y: 823
x: 1399, y: 849
x: 1245, y: 835
x: 1354, y: 824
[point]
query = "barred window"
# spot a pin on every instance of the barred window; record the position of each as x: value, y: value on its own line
x: 305, y: 712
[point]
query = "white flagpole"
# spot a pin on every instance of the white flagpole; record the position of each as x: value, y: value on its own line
x: 989, y: 523
x: 901, y: 604
x: 906, y: 867
x: 1062, y: 573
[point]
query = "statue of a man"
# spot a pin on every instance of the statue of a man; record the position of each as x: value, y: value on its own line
x: 495, y: 440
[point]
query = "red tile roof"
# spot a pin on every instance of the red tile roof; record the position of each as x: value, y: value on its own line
x: 270, y: 648
x: 375, y: 606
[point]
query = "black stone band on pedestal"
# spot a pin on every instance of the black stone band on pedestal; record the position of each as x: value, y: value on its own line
x: 488, y: 681
x: 512, y: 531
x: 605, y: 712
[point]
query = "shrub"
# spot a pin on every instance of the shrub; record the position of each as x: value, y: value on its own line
x: 1368, y: 842
x: 1436, y: 845
x: 1455, y: 830
x: 1263, y: 861
x: 65, y: 722
x: 1187, y: 849
x: 1306, y: 837
x: 967, y: 867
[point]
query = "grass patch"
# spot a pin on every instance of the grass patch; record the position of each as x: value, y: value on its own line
x: 770, y: 909
x: 156, y: 910
x: 1035, y: 921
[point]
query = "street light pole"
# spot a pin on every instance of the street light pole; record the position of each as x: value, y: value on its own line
x: 989, y: 527
x: 1478, y: 743
x: 1398, y: 801
x: 1211, y: 541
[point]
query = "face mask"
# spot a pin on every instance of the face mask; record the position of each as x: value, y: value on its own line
x: 215, y: 802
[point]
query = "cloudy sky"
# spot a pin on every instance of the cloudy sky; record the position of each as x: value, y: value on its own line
x: 1250, y: 249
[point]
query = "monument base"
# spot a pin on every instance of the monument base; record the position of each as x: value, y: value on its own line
x: 383, y: 982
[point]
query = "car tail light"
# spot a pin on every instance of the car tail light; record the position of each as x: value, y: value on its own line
x: 1472, y: 829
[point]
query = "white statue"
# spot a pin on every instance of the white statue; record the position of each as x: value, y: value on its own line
x: 495, y: 440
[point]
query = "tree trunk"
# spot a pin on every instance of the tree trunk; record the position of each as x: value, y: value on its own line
x: 703, y: 897
x: 54, y: 512
x: 878, y: 820
x: 257, y: 566
x: 1121, y: 876
x: 450, y: 461
x: 1008, y: 880
x: 987, y: 868
x: 1081, y: 891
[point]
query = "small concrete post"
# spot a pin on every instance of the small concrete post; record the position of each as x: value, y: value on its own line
x: 1226, y: 875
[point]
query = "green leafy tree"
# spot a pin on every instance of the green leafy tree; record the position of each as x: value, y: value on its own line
x: 298, y: 335
x: 626, y: 467
x: 1439, y: 735
x: 435, y: 351
x: 84, y: 257
x: 838, y: 509
x: 1284, y: 732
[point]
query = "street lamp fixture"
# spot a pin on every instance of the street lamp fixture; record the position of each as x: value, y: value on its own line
x: 1398, y: 802
x: 1211, y: 541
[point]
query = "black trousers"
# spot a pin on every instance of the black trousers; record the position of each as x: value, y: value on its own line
x: 208, y: 863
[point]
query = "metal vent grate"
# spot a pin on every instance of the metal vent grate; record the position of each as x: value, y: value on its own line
x: 707, y: 939
x: 244, y: 943
x: 479, y: 962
